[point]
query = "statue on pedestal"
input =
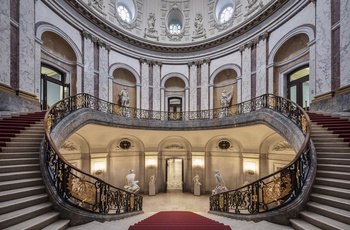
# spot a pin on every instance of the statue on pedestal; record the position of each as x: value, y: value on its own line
x: 152, y: 185
x: 225, y: 101
x: 197, y: 185
x: 220, y: 184
x: 131, y: 183
x: 124, y: 101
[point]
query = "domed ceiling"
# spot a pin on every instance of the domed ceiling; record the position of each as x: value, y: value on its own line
x: 176, y: 25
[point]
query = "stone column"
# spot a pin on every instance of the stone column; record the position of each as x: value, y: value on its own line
x: 5, y: 42
x: 312, y: 68
x: 26, y: 47
x: 344, y: 43
x: 88, y: 65
x: 80, y: 69
x: 144, y: 85
x: 37, y: 67
x: 103, y: 73
x: 270, y: 78
x: 323, y: 47
x: 246, y: 73
x: 156, y: 86
x: 239, y: 89
x: 193, y: 86
x: 261, y: 60
x: 204, y: 85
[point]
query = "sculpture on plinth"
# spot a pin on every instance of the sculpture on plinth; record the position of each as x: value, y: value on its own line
x: 124, y: 101
x: 152, y: 185
x: 131, y: 183
x: 225, y: 101
x: 220, y: 184
x: 197, y: 185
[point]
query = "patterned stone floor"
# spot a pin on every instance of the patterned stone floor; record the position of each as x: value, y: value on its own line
x: 178, y: 202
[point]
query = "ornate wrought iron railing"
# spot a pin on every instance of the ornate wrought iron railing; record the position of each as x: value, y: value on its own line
x: 279, y: 188
x: 93, y: 194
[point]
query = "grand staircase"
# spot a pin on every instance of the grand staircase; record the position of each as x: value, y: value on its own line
x: 329, y: 205
x: 24, y: 203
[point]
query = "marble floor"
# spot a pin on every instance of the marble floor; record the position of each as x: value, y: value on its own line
x: 177, y: 201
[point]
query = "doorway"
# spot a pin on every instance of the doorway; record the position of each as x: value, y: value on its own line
x: 53, y: 87
x: 174, y: 175
x: 298, y: 87
x: 174, y: 108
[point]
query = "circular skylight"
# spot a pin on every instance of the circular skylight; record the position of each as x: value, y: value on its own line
x: 126, y: 10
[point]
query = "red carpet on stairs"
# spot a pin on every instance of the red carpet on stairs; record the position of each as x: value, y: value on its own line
x: 337, y: 125
x: 10, y: 126
x: 178, y: 220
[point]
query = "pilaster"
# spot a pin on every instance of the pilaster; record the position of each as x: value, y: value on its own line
x: 5, y: 41
x: 344, y: 43
x: 103, y: 73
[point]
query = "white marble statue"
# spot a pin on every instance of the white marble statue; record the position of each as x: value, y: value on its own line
x: 124, y: 101
x: 220, y: 184
x: 196, y: 180
x: 152, y: 180
x: 131, y: 183
x: 226, y: 98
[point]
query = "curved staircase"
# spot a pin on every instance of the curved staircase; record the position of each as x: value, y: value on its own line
x: 24, y: 203
x: 329, y: 205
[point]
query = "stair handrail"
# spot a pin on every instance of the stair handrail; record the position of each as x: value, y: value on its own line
x: 61, y: 171
x: 78, y: 188
x: 279, y: 188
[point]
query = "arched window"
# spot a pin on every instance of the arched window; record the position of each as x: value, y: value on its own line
x: 226, y: 14
x: 124, y: 13
x: 175, y: 27
x: 224, y: 11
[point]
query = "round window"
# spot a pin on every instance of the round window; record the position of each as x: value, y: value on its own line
x: 125, y: 144
x: 224, y: 144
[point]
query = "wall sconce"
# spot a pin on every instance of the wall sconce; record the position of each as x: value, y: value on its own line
x: 198, y: 163
x: 99, y: 167
x: 249, y: 168
x: 151, y: 163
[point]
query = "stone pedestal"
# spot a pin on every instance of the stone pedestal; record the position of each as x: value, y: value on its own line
x: 152, y: 190
x: 197, y: 190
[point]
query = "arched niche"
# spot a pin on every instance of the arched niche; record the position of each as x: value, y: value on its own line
x: 225, y: 80
x: 124, y: 78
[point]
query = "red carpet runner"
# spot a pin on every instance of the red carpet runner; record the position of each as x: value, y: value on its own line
x: 178, y: 220
x: 337, y: 125
x: 11, y: 126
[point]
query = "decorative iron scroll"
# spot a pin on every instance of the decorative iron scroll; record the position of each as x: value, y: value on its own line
x: 92, y: 194
x: 281, y: 187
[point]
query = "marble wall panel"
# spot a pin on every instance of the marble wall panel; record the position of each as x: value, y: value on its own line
x: 344, y: 43
x: 246, y: 74
x: 156, y: 87
x: 5, y: 29
x: 88, y: 66
x: 144, y: 86
x: 205, y: 88
x: 27, y: 47
x: 261, y: 61
x: 103, y: 74
x: 37, y: 68
x: 323, y: 47
x: 312, y: 71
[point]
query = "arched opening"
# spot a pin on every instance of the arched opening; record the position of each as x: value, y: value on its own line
x: 175, y: 97
x: 225, y: 88
x: 124, y: 81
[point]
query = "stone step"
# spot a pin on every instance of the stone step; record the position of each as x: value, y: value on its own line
x: 333, y: 167
x: 342, y: 161
x: 326, y: 140
x: 337, y: 183
x: 28, y: 139
x: 332, y: 191
x: 19, y: 175
x: 19, y: 155
x: 330, y: 201
x: 329, y: 155
x: 35, y: 128
x: 57, y: 225
x: 332, y: 145
x: 323, y: 135
x: 19, y: 161
x: 17, y: 168
x: 30, y: 135
x: 38, y: 222
x: 333, y: 174
x: 300, y: 224
x: 21, y: 203
x: 14, y: 217
x: 322, y: 222
x: 330, y: 212
x: 21, y: 192
x: 333, y: 149
x: 22, y: 144
x: 15, y: 184
x: 20, y: 149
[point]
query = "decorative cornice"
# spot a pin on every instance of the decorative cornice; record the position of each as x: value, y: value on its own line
x: 89, y: 15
